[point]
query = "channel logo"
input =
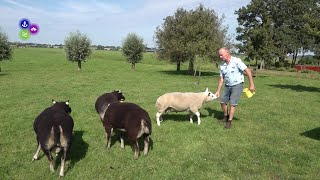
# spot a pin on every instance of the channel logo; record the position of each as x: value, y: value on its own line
x: 27, y: 29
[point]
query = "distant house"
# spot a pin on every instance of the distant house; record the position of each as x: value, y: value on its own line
x: 107, y: 48
x: 151, y: 50
x: 94, y: 47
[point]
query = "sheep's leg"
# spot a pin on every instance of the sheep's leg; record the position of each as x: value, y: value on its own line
x: 121, y: 140
x: 63, y: 159
x: 48, y: 154
x: 35, y: 157
x: 198, y: 115
x: 146, y: 144
x: 191, y: 115
x: 158, y: 116
x: 108, y: 136
x: 135, y: 148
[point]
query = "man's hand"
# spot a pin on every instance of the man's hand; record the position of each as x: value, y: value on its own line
x: 217, y: 94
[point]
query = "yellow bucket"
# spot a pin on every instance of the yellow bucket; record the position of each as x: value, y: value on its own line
x: 248, y: 93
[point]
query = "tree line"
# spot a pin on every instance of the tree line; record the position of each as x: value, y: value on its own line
x: 268, y: 31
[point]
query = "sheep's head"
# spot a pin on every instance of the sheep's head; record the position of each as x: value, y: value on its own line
x: 209, y: 96
x: 62, y: 105
x: 119, y: 95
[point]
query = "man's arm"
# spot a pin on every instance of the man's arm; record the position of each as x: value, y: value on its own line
x: 219, y: 86
x: 249, y: 74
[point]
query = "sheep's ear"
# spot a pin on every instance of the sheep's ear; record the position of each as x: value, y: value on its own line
x: 53, y: 101
x: 67, y: 103
x: 207, y: 90
x: 120, y: 91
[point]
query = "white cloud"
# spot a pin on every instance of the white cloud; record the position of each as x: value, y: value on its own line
x: 104, y: 22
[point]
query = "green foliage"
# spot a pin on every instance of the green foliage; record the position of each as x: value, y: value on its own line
x: 309, y: 60
x: 292, y: 70
x: 188, y: 34
x: 77, y: 47
x: 281, y: 69
x: 268, y: 140
x: 285, y: 64
x: 269, y: 29
x: 306, y: 71
x: 5, y: 49
x: 132, y: 49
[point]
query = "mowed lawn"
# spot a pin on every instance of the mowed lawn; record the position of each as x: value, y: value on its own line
x: 275, y: 134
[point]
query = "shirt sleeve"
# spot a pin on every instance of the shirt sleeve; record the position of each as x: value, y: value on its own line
x: 241, y: 65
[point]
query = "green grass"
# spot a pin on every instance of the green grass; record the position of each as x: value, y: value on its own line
x: 275, y: 134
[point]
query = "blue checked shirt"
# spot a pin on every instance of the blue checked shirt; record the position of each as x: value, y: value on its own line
x: 232, y: 73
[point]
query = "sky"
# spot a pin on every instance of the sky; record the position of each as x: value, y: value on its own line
x: 105, y: 22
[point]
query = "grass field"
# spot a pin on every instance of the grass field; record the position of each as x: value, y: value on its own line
x: 275, y: 134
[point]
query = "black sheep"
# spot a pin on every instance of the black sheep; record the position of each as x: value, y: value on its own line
x: 53, y: 128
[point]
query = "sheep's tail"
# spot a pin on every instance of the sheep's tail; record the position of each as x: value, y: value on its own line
x: 57, y: 135
x: 146, y: 126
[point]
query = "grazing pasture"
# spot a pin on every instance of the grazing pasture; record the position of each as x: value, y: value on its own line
x: 275, y: 134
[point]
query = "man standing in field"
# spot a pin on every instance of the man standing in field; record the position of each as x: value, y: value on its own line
x: 231, y: 73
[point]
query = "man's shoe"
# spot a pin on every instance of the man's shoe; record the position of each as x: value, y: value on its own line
x: 225, y: 118
x: 228, y: 124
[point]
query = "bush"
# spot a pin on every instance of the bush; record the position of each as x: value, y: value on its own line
x: 279, y: 64
x: 271, y: 68
x: 306, y: 71
x: 292, y: 70
x: 281, y: 69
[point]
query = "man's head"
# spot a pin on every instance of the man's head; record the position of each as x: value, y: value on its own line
x: 224, y: 54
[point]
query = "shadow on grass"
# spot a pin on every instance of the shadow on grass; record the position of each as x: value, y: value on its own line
x: 298, y: 88
x: 78, y: 149
x: 3, y: 74
x: 218, y: 115
x: 185, y: 72
x: 313, y: 133
x: 77, y: 152
x: 115, y: 138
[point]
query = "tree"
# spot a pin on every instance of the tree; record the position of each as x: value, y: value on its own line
x: 274, y: 28
x: 132, y: 49
x: 5, y: 49
x: 255, y: 31
x: 77, y: 48
x: 190, y: 34
x: 313, y: 27
x: 170, y: 39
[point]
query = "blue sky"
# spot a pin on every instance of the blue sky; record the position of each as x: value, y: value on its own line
x: 105, y: 22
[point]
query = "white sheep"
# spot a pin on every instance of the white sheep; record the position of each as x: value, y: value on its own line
x: 178, y: 102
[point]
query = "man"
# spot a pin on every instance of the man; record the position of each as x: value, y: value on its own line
x: 231, y: 74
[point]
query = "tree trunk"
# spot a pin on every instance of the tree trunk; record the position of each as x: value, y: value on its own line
x: 191, y: 65
x: 262, y: 64
x: 133, y: 66
x: 79, y: 65
x: 178, y: 65
x: 294, y: 58
x: 199, y: 76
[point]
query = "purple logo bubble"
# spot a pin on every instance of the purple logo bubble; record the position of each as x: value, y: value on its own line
x: 24, y: 23
x: 34, y: 29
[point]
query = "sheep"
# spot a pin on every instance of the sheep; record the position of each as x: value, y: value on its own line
x: 105, y: 99
x: 129, y: 118
x: 53, y: 128
x: 178, y: 102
